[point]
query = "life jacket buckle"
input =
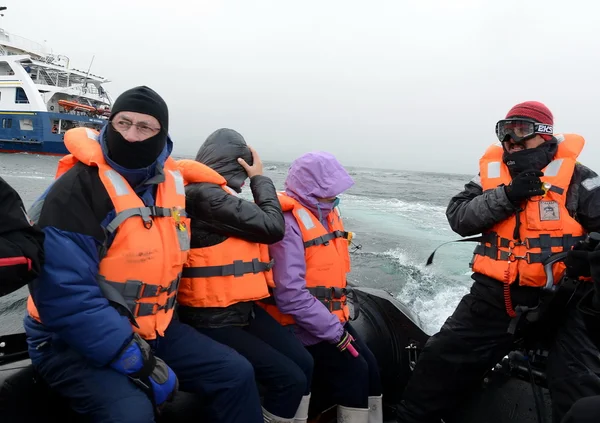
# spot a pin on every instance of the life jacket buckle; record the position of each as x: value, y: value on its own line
x: 145, y: 213
x: 337, y: 293
x: 512, y: 244
x: 270, y: 265
x: 512, y: 257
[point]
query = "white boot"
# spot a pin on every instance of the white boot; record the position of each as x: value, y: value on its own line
x: 302, y: 412
x: 376, y: 409
x: 352, y: 415
x: 272, y: 418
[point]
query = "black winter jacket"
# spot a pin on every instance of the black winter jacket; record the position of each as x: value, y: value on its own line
x: 216, y: 215
x: 20, y: 239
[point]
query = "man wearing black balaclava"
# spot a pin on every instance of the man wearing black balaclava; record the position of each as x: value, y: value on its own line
x: 138, y: 129
x: 116, y: 240
x: 532, y: 198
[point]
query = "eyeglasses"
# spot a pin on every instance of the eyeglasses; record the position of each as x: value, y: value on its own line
x: 142, y: 128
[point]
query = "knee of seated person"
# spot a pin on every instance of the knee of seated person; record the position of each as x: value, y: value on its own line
x: 296, y: 381
x: 134, y: 409
x: 241, y: 371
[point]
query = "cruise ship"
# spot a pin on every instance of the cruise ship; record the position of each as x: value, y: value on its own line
x: 42, y: 96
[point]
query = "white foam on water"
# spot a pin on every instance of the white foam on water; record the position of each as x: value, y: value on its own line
x: 433, y: 296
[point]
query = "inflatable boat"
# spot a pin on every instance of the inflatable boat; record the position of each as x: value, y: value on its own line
x: 512, y: 391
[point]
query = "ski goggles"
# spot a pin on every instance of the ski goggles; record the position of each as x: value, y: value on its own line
x: 520, y: 130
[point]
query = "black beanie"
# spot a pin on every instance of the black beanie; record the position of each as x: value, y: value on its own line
x: 143, y: 100
x: 137, y: 155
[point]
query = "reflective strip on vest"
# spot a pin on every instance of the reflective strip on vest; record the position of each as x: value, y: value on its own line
x: 305, y: 219
x: 91, y: 134
x: 127, y: 295
x: 493, y: 170
x: 179, y: 184
x: 553, y: 167
x: 238, y: 268
x: 324, y: 239
x: 118, y: 182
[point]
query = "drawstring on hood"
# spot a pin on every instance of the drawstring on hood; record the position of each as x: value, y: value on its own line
x: 324, y: 209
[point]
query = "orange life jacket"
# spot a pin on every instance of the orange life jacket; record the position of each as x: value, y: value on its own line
x: 227, y: 273
x: 140, y: 272
x: 327, y: 260
x: 545, y: 226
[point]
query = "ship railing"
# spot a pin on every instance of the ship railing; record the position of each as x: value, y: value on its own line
x: 23, y: 43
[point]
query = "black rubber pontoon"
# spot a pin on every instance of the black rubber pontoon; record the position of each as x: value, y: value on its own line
x: 391, y: 330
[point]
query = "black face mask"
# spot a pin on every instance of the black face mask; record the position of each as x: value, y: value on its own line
x: 138, y: 155
x: 532, y: 158
x: 134, y: 155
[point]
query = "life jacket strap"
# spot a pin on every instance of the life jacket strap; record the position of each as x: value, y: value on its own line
x: 329, y: 297
x: 544, y: 242
x: 144, y: 212
x: 238, y: 268
x: 125, y: 296
x: 324, y: 239
x: 149, y: 309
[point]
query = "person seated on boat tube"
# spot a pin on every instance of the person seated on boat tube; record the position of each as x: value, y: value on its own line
x: 100, y: 325
x: 228, y: 269
x: 531, y: 199
x: 21, y: 242
x: 311, y: 264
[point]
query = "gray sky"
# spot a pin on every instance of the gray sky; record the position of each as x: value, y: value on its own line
x: 415, y: 85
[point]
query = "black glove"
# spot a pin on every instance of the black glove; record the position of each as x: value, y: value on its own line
x: 578, y: 260
x: 578, y: 263
x: 525, y: 185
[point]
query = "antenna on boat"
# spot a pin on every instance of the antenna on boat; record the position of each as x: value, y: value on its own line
x: 88, y: 73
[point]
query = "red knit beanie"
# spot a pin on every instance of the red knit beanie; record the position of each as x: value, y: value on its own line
x: 533, y: 110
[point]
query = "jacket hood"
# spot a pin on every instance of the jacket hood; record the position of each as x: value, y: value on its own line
x: 220, y: 152
x: 136, y: 176
x: 317, y: 174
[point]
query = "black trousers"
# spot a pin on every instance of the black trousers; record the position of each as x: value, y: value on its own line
x: 475, y: 338
x: 280, y: 361
x: 350, y: 380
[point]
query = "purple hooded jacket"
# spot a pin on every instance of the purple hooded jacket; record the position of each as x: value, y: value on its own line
x: 315, y: 174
